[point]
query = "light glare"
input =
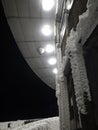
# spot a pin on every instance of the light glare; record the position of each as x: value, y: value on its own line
x: 47, y: 5
x: 56, y: 6
x: 69, y: 4
x: 52, y: 61
x: 55, y: 71
x: 46, y: 30
x: 49, y: 48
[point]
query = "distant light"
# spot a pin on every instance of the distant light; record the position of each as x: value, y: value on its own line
x: 55, y: 71
x: 69, y: 4
x: 47, y: 5
x: 49, y: 48
x: 52, y: 61
x: 46, y: 30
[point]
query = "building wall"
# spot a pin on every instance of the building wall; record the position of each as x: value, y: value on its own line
x: 91, y: 61
x: 79, y: 27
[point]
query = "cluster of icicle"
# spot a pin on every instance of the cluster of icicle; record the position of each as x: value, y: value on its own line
x: 87, y: 22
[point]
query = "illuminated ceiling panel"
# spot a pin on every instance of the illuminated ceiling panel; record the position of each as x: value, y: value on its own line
x: 26, y: 19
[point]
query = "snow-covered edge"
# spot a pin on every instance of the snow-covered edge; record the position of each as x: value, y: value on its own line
x: 87, y: 23
x: 45, y: 124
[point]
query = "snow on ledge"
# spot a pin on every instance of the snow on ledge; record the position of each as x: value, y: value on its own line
x: 87, y: 23
x: 44, y: 124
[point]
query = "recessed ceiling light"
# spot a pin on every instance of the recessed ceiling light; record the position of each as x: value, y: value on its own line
x: 46, y: 30
x: 49, y: 48
x: 52, y: 61
x: 55, y: 71
x: 47, y: 5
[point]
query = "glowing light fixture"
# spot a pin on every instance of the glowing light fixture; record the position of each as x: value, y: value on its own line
x: 47, y: 5
x: 55, y: 71
x: 49, y: 48
x: 52, y: 61
x: 46, y: 30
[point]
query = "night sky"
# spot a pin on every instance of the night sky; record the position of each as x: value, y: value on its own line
x: 22, y: 94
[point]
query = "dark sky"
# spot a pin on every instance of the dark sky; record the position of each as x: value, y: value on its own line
x: 22, y: 94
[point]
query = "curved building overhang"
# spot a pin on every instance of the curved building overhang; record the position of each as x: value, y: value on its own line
x: 26, y: 18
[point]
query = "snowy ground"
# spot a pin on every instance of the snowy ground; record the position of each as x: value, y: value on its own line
x: 44, y: 124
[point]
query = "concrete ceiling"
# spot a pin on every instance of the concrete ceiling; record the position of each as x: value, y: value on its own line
x: 26, y: 18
